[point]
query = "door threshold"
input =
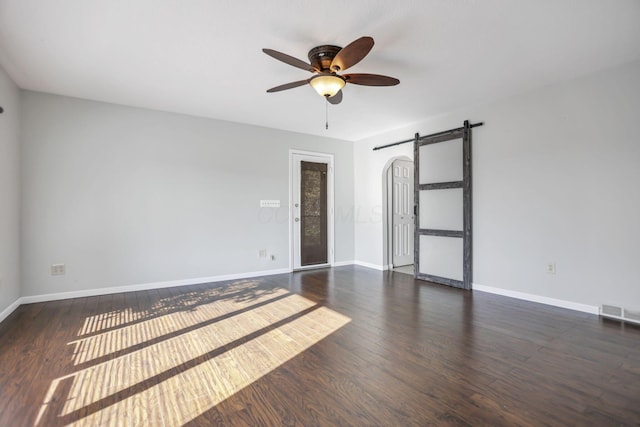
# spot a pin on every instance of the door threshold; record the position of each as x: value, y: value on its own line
x: 406, y: 269
x: 311, y: 267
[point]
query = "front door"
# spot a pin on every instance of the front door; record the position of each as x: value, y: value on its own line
x: 312, y: 213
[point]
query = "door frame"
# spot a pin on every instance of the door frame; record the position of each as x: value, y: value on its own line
x: 387, y: 208
x: 317, y: 157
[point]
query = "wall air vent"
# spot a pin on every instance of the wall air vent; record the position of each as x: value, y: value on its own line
x: 620, y: 313
x: 611, y: 310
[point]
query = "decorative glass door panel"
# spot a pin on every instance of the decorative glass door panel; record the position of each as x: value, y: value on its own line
x: 313, y: 213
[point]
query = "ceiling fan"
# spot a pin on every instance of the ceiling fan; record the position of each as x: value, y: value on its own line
x: 326, y: 62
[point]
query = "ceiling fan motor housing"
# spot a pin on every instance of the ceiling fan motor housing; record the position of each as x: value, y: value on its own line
x: 321, y: 57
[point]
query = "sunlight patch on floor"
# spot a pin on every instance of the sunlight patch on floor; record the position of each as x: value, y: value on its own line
x: 190, y: 368
x: 241, y: 290
x: 191, y: 393
x: 140, y: 365
x: 96, y: 346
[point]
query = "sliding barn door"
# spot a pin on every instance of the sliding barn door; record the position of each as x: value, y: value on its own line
x: 443, y: 207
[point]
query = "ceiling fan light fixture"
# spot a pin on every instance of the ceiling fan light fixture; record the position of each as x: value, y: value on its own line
x: 325, y: 62
x: 327, y: 85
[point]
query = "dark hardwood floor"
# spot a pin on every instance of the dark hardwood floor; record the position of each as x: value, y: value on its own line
x: 335, y: 347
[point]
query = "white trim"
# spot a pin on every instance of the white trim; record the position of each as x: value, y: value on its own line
x: 147, y: 286
x: 343, y: 263
x: 7, y: 311
x: 195, y: 281
x: 537, y: 298
x: 370, y: 265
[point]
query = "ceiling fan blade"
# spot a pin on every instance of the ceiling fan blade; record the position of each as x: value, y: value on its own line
x: 287, y: 59
x: 335, y: 99
x: 352, y: 53
x: 288, y: 86
x: 371, y: 79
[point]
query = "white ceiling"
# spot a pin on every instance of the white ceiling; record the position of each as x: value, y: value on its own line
x: 204, y: 58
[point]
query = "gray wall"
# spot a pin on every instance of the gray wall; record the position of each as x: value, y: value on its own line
x: 9, y: 193
x: 555, y: 174
x: 126, y: 196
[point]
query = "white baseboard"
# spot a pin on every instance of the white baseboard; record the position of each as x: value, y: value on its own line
x: 147, y: 286
x: 537, y: 298
x: 370, y: 265
x: 7, y: 311
x: 343, y: 263
x: 195, y: 281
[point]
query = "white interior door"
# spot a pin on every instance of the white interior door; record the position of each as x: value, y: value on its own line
x: 297, y: 211
x: 402, y: 212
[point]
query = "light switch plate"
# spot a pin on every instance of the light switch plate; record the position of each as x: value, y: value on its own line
x: 269, y: 203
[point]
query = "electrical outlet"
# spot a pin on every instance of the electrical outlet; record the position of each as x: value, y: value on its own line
x: 551, y: 268
x: 57, y: 269
x: 262, y: 253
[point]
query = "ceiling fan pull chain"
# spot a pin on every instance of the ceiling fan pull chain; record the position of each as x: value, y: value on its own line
x: 326, y: 113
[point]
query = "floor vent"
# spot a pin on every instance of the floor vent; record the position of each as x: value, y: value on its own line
x: 620, y: 313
